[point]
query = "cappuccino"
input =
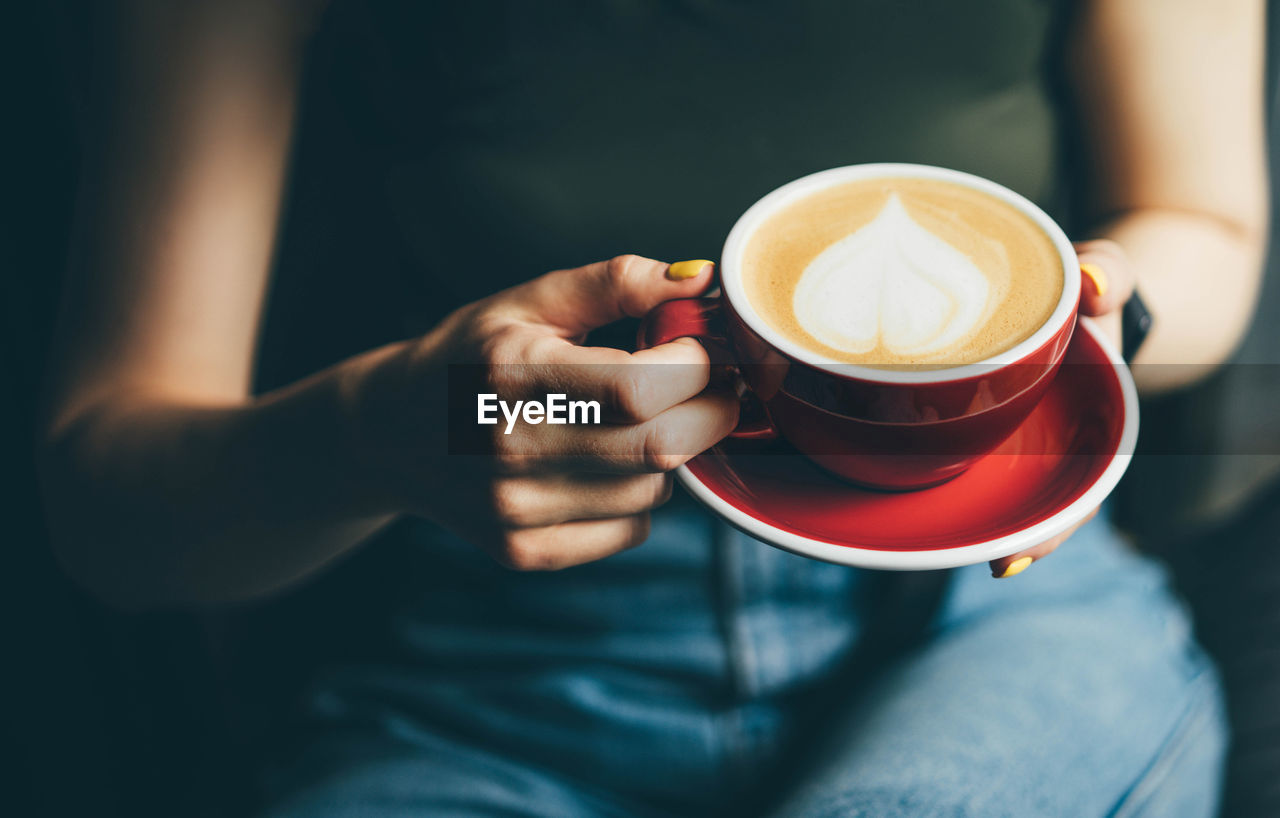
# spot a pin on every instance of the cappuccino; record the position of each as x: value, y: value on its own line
x: 903, y: 272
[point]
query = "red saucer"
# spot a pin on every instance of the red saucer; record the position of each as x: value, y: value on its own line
x: 1056, y: 468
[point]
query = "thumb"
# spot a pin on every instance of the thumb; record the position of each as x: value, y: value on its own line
x: 578, y: 300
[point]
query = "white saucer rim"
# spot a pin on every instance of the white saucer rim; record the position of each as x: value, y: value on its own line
x: 955, y: 557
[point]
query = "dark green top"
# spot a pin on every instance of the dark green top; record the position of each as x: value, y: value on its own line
x: 506, y: 138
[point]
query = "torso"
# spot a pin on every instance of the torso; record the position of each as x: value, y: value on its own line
x: 512, y: 138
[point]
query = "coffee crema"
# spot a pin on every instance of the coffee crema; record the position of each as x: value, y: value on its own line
x: 903, y: 272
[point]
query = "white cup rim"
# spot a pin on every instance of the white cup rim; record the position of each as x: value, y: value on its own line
x: 748, y: 222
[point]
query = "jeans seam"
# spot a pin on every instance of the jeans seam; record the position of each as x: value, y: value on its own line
x: 729, y: 727
x: 743, y: 661
x: 1132, y: 804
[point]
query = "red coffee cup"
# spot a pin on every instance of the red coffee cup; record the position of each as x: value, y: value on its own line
x: 884, y: 428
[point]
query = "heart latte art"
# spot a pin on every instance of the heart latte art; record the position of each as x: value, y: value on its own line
x: 903, y: 272
x: 893, y: 284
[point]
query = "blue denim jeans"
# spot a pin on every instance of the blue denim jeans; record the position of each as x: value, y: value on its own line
x: 703, y: 673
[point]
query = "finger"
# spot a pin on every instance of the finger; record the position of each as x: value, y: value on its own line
x: 660, y: 444
x: 1015, y: 564
x: 579, y: 300
x: 1107, y: 277
x: 657, y: 445
x: 630, y: 387
x: 532, y: 502
x: 561, y: 546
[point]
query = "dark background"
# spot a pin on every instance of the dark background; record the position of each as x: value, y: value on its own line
x: 106, y: 714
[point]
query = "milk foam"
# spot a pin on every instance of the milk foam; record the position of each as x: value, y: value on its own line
x: 892, y: 284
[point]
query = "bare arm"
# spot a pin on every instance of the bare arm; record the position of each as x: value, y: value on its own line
x: 168, y: 483
x: 164, y: 478
x: 1170, y: 93
x: 1171, y: 96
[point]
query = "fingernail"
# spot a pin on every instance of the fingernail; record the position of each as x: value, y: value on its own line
x: 682, y: 270
x: 1099, y: 278
x: 1016, y: 567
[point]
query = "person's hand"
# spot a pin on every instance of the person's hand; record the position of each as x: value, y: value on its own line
x: 551, y: 496
x: 1106, y: 284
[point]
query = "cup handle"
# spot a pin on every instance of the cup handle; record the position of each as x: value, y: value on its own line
x: 703, y: 319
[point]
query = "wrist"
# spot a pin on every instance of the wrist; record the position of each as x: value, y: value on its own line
x: 394, y: 421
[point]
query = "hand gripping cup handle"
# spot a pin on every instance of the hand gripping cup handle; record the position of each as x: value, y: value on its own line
x: 703, y: 319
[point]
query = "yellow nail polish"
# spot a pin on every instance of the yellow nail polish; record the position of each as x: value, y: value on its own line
x: 1017, y: 567
x: 687, y: 269
x: 1099, y: 278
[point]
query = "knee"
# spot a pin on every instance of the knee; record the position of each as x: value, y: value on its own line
x: 1185, y: 777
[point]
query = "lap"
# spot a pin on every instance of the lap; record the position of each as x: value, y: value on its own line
x: 1075, y: 689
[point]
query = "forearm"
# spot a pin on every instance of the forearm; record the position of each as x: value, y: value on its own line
x: 1199, y: 277
x: 161, y: 502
